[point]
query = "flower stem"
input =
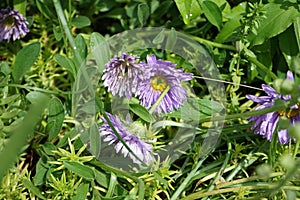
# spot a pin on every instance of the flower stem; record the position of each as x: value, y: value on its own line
x: 296, y: 149
x: 65, y: 26
x: 163, y: 94
x: 213, y: 44
x: 246, y: 114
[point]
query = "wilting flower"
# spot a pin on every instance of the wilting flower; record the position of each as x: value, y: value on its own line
x: 141, y: 149
x: 265, y: 124
x: 123, y: 75
x: 159, y: 75
x: 12, y: 25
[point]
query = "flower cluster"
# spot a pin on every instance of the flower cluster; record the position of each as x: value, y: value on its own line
x: 125, y: 77
x: 153, y: 81
x: 12, y: 25
x: 266, y: 124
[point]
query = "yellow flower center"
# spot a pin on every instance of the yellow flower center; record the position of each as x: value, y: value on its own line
x: 9, y: 21
x: 289, y: 113
x: 159, y: 83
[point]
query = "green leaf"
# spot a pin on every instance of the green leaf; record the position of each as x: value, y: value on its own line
x: 171, y: 40
x: 13, y: 147
x: 82, y: 191
x: 81, y: 21
x: 4, y: 68
x: 80, y: 169
x: 58, y: 32
x: 46, y: 7
x: 140, y: 111
x: 193, y: 109
x: 34, y: 96
x: 95, y: 140
x: 35, y: 190
x: 25, y: 58
x: 189, y: 9
x: 278, y: 18
x: 81, y: 46
x: 20, y: 5
x: 55, y: 118
x: 212, y: 12
x: 66, y: 63
x: 101, y: 178
x: 100, y: 49
x: 143, y: 13
x: 233, y: 24
x: 288, y: 42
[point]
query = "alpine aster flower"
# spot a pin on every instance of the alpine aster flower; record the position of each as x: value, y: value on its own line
x: 123, y: 75
x: 265, y: 124
x: 12, y: 25
x: 141, y: 149
x: 159, y: 75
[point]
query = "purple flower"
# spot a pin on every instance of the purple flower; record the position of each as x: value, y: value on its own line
x: 265, y: 124
x: 12, y: 25
x: 123, y: 75
x: 141, y: 149
x: 158, y: 76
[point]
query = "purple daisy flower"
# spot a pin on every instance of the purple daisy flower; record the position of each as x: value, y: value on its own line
x: 265, y: 124
x: 123, y: 75
x: 158, y: 76
x: 141, y: 149
x: 12, y: 25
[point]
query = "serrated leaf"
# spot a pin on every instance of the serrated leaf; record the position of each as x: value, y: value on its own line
x: 25, y: 58
x: 143, y: 13
x: 278, y: 17
x: 140, y: 111
x: 81, y: 21
x: 55, y: 118
x: 80, y: 169
x: 212, y: 12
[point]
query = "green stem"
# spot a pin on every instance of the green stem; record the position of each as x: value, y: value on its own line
x: 266, y: 186
x: 65, y: 26
x: 119, y: 173
x: 245, y: 115
x: 35, y: 89
x: 187, y: 179
x: 213, y: 44
x: 163, y: 94
x: 223, y: 167
x: 296, y: 149
x: 262, y: 67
